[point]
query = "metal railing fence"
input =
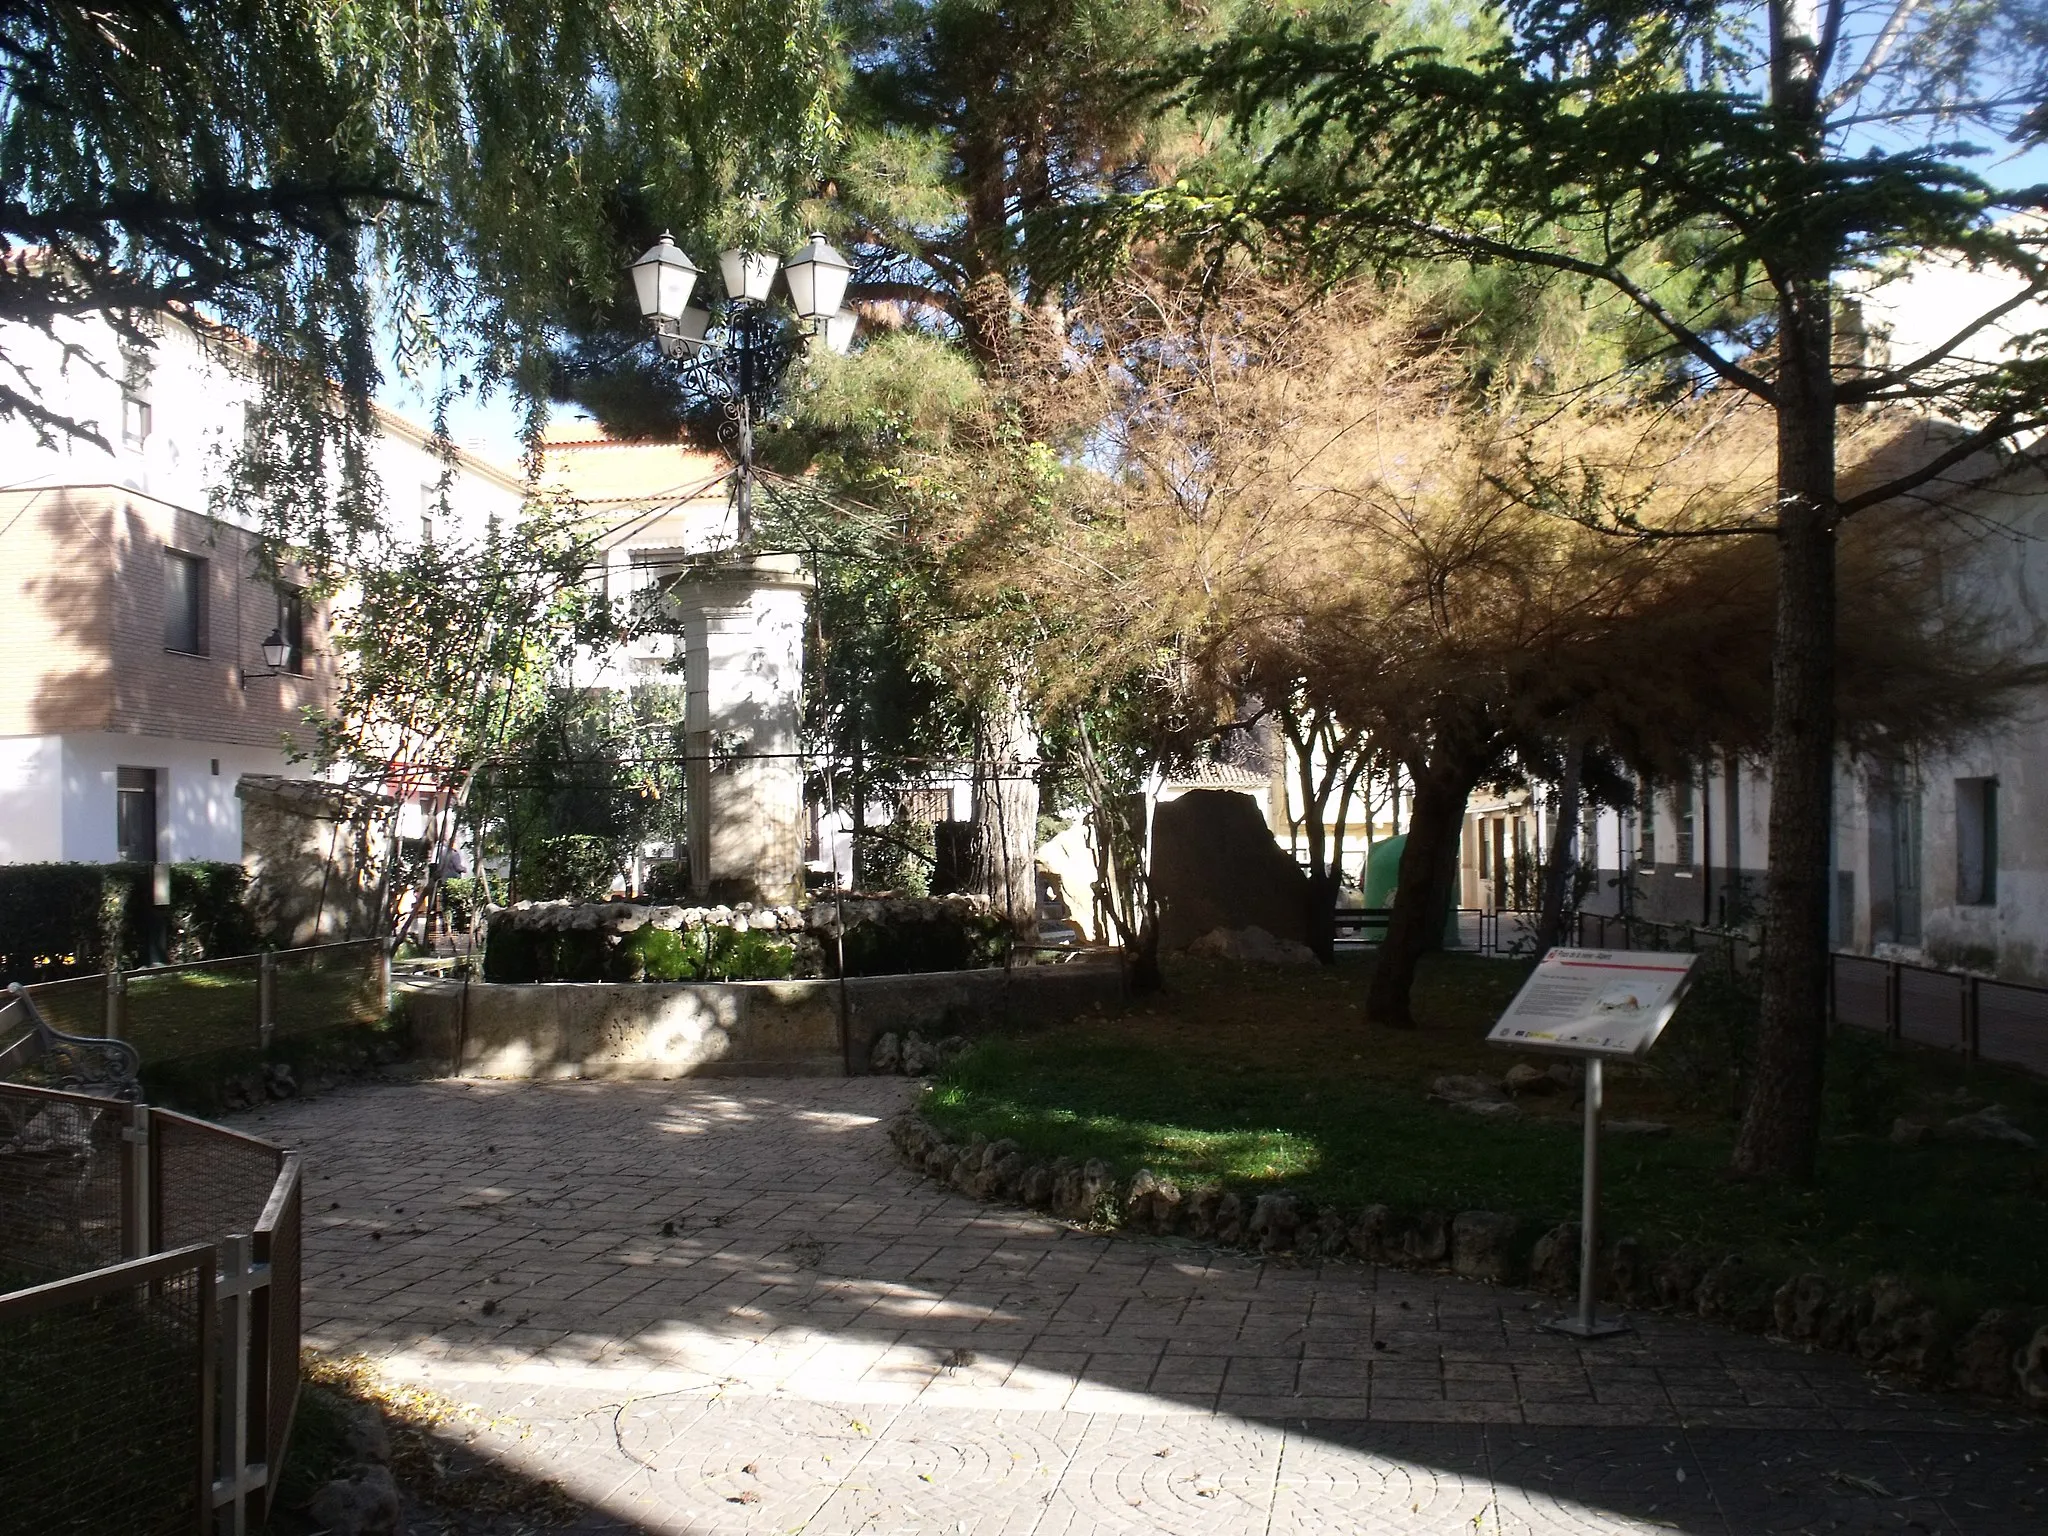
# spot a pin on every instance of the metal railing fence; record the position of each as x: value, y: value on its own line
x: 108, y: 1185
x: 172, y: 1012
x: 1980, y: 1018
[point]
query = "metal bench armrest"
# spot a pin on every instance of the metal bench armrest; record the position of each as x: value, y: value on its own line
x: 87, y: 1063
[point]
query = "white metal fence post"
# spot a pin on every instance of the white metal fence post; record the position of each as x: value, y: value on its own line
x: 230, y: 1518
x: 238, y: 1476
x: 137, y: 1241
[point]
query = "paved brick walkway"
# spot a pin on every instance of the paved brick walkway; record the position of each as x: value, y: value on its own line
x: 724, y: 1306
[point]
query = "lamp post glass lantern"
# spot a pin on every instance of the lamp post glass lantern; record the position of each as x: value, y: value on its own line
x: 738, y: 350
x: 662, y: 280
x: 277, y: 651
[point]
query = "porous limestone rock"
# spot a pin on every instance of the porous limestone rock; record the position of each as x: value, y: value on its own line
x: 1276, y: 1217
x: 1554, y: 1261
x: 1482, y: 1245
x: 364, y: 1503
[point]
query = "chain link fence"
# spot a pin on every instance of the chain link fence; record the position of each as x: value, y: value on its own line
x: 147, y: 1394
x: 63, y: 1186
x: 108, y: 1381
x: 209, y: 1007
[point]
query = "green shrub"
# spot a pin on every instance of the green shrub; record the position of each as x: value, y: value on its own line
x: 458, y: 901
x: 209, y: 910
x: 750, y: 956
x: 654, y: 954
x: 898, y: 858
x: 646, y: 954
x: 944, y: 941
x: 701, y: 954
x: 71, y: 919
x: 511, y: 954
x: 571, y: 868
x: 666, y: 883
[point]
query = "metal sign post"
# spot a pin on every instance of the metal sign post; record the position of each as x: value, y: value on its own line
x: 1590, y: 1004
x: 1588, y: 1325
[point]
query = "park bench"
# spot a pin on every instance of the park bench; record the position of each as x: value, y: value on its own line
x: 74, y: 1063
x: 1369, y: 923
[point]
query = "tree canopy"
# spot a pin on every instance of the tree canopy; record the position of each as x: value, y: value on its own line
x: 1719, y: 169
x: 458, y: 176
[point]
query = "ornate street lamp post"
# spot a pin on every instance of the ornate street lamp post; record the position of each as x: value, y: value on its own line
x: 739, y: 349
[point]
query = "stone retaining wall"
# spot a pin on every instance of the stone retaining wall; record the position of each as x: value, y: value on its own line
x: 730, y: 1029
x: 2002, y: 1355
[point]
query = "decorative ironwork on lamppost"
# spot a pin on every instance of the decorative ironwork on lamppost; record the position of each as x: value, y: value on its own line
x: 739, y: 348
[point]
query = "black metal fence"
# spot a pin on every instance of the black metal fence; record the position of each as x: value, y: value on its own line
x: 149, y: 1335
x: 1978, y: 1017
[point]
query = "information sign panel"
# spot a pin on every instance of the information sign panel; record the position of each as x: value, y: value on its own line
x: 1595, y: 1002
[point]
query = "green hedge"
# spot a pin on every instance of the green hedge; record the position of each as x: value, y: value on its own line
x: 568, y: 868
x: 901, y: 946
x: 646, y: 954
x: 70, y: 919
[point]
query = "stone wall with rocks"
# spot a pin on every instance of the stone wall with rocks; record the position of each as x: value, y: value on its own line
x: 876, y: 935
x: 2001, y: 1355
x: 624, y: 917
x: 315, y: 857
x: 767, y: 1028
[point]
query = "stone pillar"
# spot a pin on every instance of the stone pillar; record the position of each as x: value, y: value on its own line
x: 743, y: 654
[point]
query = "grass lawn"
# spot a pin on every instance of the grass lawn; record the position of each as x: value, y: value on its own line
x: 1264, y: 1079
x: 191, y: 1013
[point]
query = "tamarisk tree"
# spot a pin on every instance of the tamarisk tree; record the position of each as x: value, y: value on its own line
x: 1723, y: 170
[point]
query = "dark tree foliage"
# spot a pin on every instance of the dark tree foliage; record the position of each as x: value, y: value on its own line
x: 306, y: 173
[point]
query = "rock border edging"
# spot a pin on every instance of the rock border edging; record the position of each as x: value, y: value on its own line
x: 2002, y: 1356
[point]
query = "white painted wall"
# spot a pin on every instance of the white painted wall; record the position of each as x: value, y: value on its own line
x: 31, y: 799
x: 197, y: 392
x: 57, y: 795
x: 198, y: 814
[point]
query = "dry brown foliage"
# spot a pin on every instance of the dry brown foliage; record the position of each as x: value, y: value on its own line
x: 1283, y: 487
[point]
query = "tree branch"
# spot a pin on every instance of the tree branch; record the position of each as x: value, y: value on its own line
x: 2004, y: 425
x: 1855, y: 391
x: 1880, y: 50
x: 1687, y: 338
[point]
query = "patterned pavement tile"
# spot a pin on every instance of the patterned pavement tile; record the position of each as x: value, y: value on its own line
x: 725, y: 1307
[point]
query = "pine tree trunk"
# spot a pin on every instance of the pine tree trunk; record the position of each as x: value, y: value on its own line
x: 1435, y: 814
x: 1006, y: 816
x: 1780, y: 1129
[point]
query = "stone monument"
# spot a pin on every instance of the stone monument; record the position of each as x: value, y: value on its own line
x: 743, y: 665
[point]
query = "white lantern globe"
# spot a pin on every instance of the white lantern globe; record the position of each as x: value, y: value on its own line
x: 837, y: 329
x: 694, y: 326
x: 662, y: 280
x: 748, y: 275
x: 817, y: 278
x: 276, y: 650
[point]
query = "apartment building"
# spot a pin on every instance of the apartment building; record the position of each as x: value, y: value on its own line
x: 151, y: 656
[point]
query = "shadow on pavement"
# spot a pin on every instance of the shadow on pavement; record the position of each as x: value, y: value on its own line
x: 723, y: 1306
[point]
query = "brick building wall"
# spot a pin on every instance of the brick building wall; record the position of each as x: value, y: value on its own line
x: 83, y: 592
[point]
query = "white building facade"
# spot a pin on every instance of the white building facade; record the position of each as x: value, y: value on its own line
x: 134, y: 610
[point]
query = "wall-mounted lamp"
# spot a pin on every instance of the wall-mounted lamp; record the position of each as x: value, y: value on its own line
x: 276, y: 652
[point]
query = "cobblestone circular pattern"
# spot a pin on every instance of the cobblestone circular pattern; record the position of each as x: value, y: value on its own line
x: 725, y: 1307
